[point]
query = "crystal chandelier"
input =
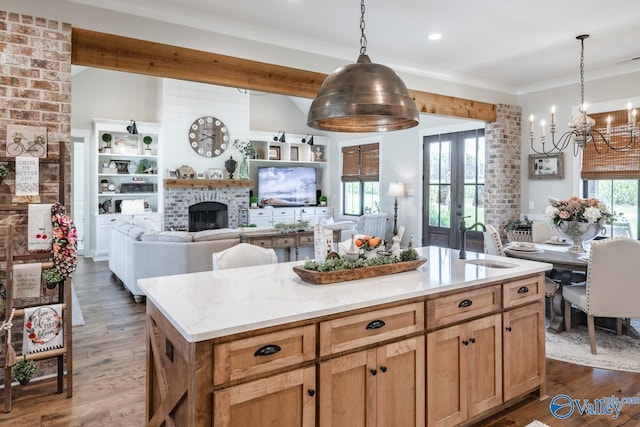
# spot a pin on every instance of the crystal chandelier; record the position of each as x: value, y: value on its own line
x: 583, y: 130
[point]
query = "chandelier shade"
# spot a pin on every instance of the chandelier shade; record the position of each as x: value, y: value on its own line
x: 363, y: 97
x: 583, y: 128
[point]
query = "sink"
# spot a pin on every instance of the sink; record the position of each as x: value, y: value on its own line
x: 490, y: 263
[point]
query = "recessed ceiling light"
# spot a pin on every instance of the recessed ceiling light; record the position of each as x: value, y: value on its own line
x: 434, y: 36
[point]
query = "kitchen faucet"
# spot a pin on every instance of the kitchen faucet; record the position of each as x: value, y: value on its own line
x: 463, y: 235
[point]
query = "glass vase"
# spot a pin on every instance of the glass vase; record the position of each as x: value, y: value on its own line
x: 578, y: 233
x: 243, y: 169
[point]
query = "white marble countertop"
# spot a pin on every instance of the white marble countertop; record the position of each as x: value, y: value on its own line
x: 213, y: 304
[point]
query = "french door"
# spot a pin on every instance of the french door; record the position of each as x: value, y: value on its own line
x: 454, y: 187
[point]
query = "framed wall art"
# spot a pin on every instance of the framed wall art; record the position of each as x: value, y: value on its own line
x: 26, y: 141
x: 546, y: 167
x: 294, y: 153
x: 274, y: 153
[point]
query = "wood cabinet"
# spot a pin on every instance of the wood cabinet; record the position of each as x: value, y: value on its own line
x: 464, y: 370
x: 444, y: 359
x: 524, y: 354
x: 284, y: 400
x: 382, y: 386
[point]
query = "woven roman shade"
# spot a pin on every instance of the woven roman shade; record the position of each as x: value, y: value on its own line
x: 611, y: 164
x: 360, y: 163
x: 369, y: 162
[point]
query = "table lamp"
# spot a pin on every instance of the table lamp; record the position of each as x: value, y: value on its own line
x: 396, y: 189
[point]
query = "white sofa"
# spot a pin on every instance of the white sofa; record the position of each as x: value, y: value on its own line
x: 136, y: 253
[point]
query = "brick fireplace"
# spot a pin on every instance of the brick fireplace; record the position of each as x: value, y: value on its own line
x: 178, y: 200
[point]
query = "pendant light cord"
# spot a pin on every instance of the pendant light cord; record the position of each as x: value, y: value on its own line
x: 363, y: 38
x: 582, y: 70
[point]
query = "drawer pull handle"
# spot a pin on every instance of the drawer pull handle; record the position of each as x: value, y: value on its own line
x: 523, y: 290
x: 473, y: 340
x: 508, y: 328
x: 311, y: 392
x: 375, y: 324
x: 383, y: 369
x: 465, y: 303
x: 465, y: 342
x: 267, y: 350
x: 374, y: 372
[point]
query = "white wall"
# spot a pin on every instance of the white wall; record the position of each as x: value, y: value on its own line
x: 598, y: 96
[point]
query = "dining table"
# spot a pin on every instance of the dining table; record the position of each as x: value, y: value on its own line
x: 565, y: 263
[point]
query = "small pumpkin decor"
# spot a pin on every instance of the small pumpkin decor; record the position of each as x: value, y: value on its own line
x: 369, y: 244
x: 23, y: 370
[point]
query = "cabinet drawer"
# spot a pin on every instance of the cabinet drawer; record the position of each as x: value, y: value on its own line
x: 265, y: 242
x: 281, y: 213
x: 283, y: 241
x: 522, y: 291
x: 259, y: 214
x: 263, y: 353
x: 305, y: 239
x: 349, y: 332
x: 464, y: 305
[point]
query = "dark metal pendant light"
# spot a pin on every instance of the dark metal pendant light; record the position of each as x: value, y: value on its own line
x: 363, y: 97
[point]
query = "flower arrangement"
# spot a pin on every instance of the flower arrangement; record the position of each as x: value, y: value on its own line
x: 589, y: 210
x: 244, y: 147
x: 65, y: 239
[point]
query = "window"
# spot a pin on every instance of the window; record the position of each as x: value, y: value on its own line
x: 621, y: 197
x: 360, y: 179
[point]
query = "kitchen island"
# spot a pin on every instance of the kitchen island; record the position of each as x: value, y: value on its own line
x: 446, y: 344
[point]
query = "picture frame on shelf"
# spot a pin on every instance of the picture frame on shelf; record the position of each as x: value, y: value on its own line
x: 200, y: 175
x: 127, y: 144
x: 122, y: 166
x: 294, y: 154
x: 318, y: 153
x: 216, y: 174
x: 274, y: 153
x: 546, y: 167
x: 172, y: 173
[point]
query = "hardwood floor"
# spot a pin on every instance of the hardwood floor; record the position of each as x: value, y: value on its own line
x: 109, y: 372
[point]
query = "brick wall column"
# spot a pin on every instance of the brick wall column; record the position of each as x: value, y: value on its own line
x: 502, y: 174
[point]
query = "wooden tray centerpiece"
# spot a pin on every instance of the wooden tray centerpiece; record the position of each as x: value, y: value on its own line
x: 342, y: 270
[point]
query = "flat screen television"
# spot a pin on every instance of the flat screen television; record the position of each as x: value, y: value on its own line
x: 287, y: 186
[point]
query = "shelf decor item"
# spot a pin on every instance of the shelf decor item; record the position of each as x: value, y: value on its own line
x: 147, y: 140
x: 230, y: 165
x: 23, y: 370
x: 208, y: 136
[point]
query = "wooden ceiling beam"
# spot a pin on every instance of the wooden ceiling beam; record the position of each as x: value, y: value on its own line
x: 112, y: 52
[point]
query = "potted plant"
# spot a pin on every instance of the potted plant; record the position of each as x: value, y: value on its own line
x: 253, y: 201
x: 323, y: 200
x: 23, y: 370
x: 4, y: 170
x: 106, y: 138
x: 147, y: 142
x: 52, y: 277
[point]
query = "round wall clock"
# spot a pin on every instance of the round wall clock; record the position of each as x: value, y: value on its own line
x: 208, y: 136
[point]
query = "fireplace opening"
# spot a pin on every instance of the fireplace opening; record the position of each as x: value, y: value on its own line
x: 208, y: 216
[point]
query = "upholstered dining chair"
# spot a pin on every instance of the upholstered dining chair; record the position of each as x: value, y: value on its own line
x: 243, y: 255
x: 493, y: 246
x: 492, y: 241
x: 612, y: 285
x: 541, y: 231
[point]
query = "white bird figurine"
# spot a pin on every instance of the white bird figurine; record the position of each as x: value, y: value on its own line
x: 395, y: 248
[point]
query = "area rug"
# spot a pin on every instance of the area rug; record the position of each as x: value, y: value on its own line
x: 536, y: 423
x: 77, y: 318
x: 620, y: 353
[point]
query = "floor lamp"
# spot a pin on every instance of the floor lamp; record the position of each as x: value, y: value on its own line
x: 396, y: 189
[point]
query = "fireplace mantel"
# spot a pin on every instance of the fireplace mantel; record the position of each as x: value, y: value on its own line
x: 208, y: 183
